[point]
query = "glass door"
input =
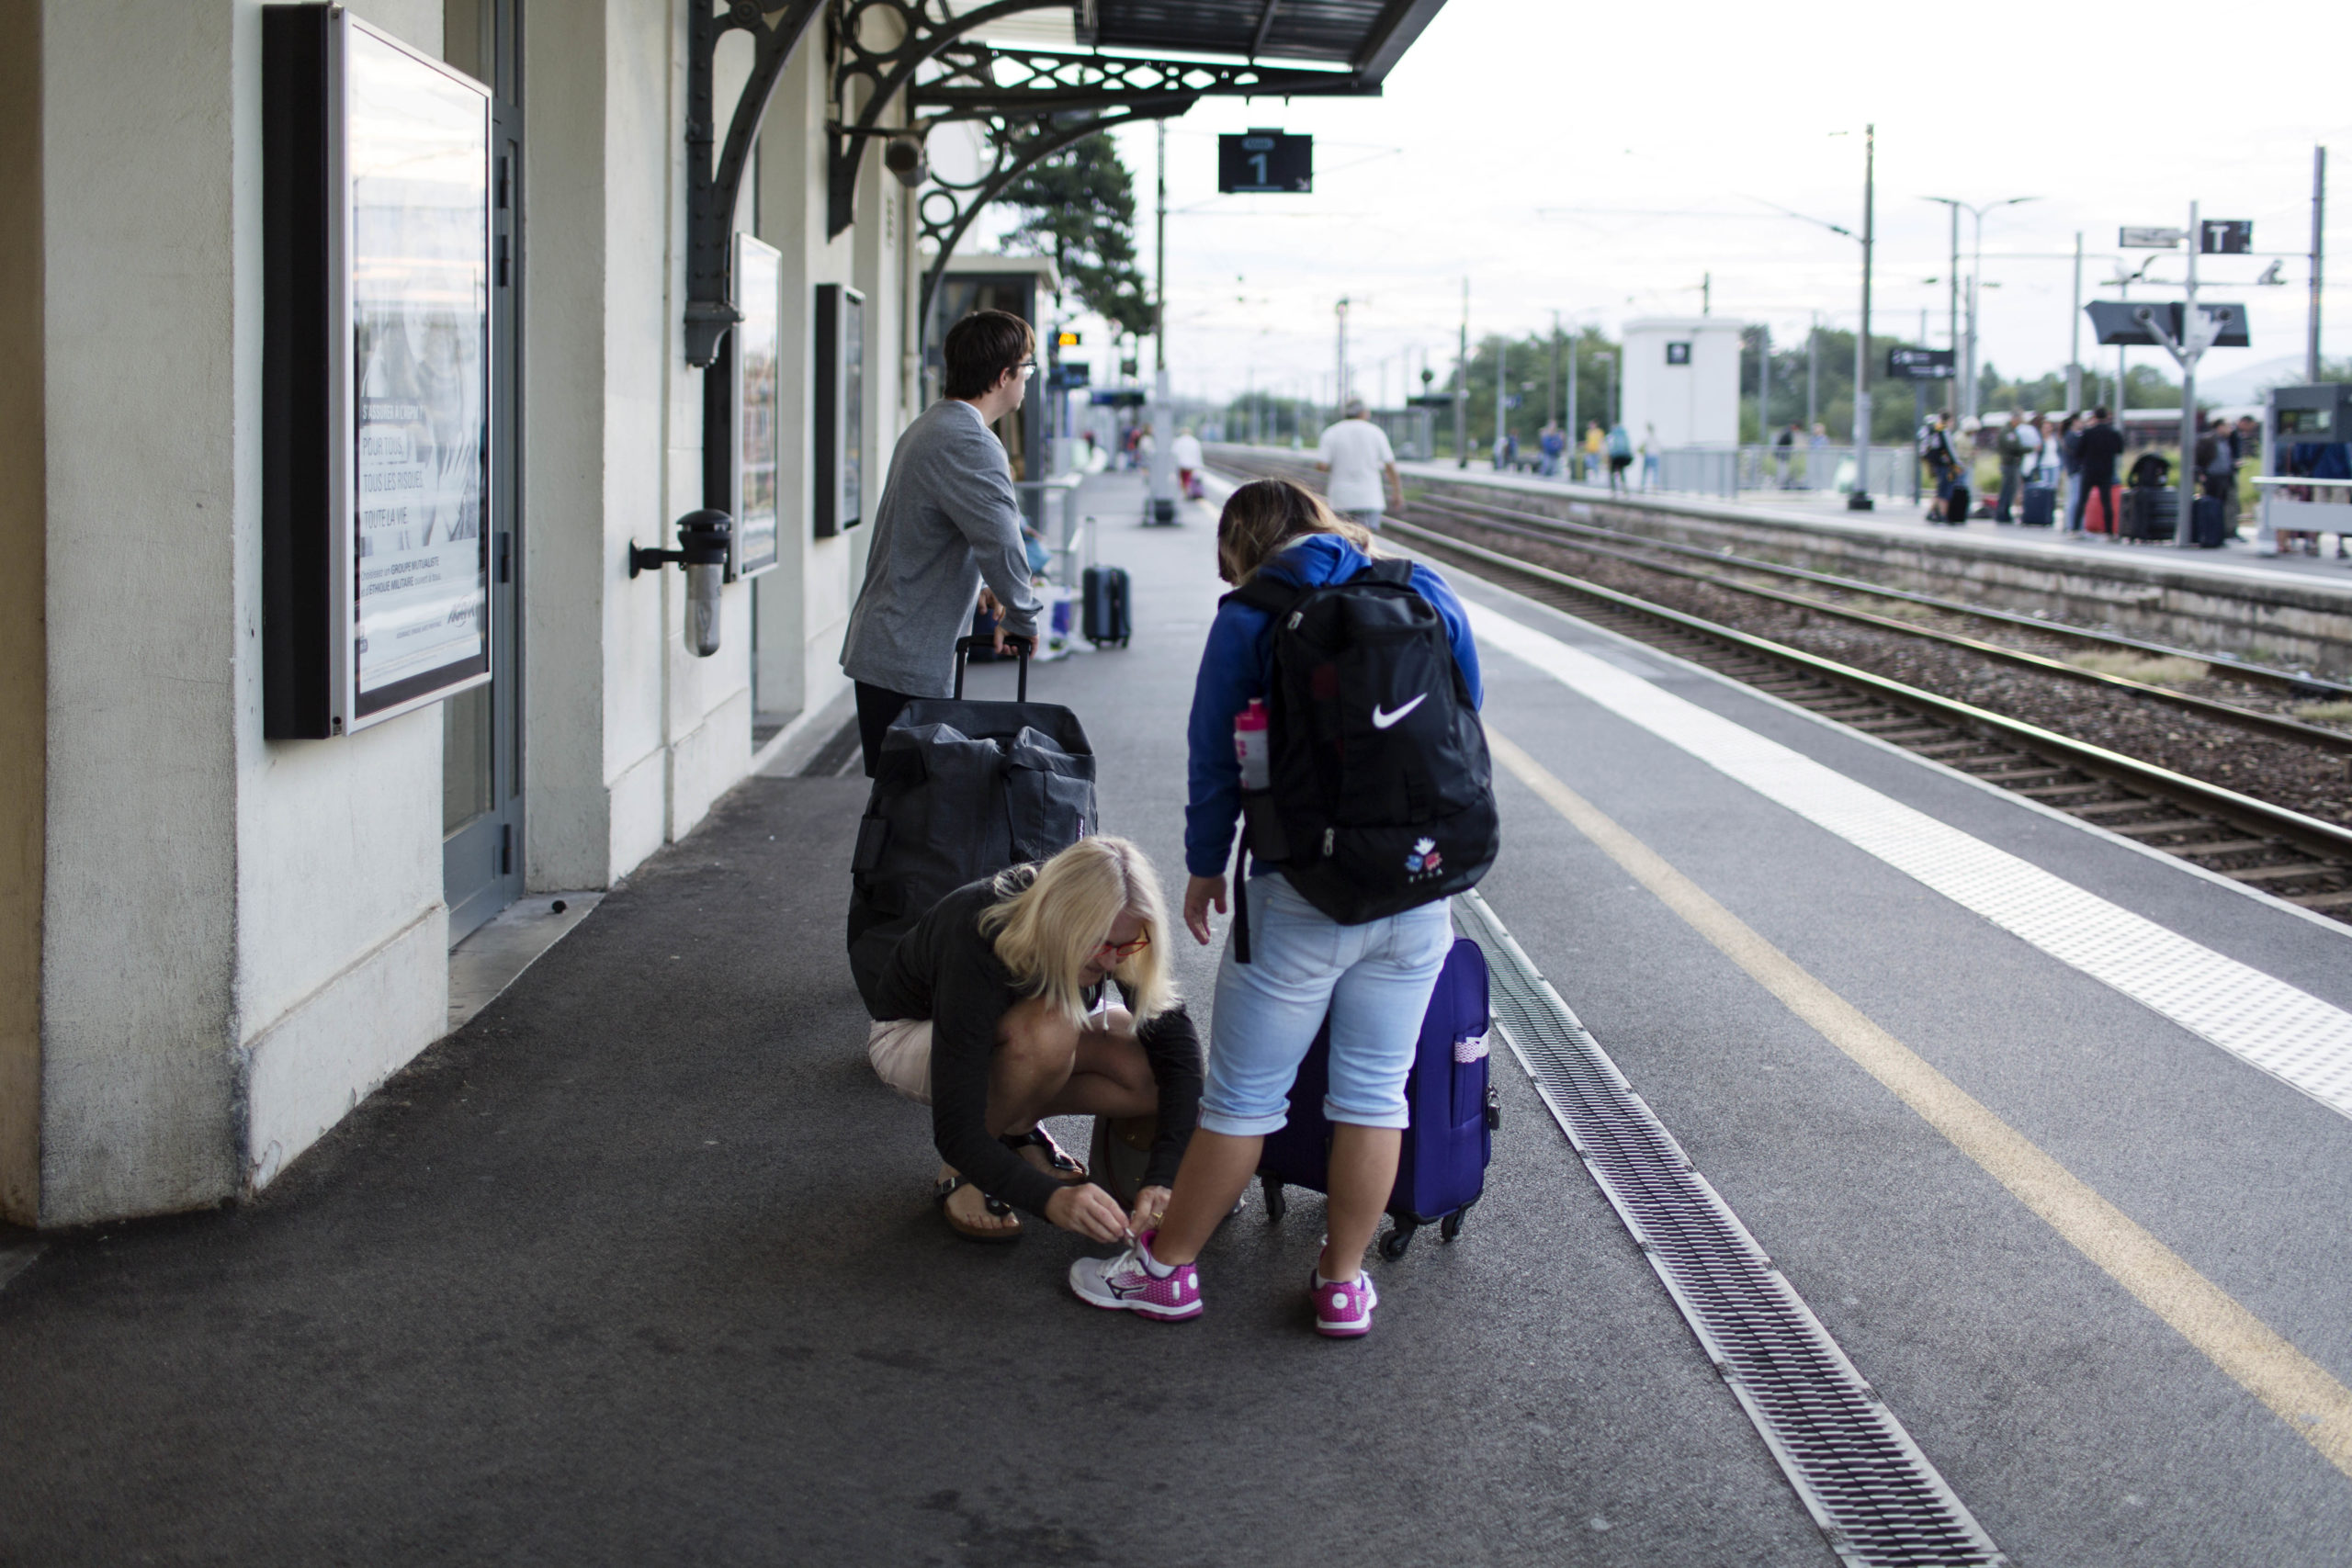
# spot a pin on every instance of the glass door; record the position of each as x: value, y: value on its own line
x: 481, y: 778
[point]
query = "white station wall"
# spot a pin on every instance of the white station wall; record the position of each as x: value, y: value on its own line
x: 240, y: 938
x: 1693, y: 404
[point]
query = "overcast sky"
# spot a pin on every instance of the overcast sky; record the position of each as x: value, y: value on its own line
x: 1598, y: 160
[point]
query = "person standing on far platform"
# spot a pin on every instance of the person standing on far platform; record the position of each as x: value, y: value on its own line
x: 1356, y: 454
x: 1784, y: 456
x: 1816, y: 458
x: 1187, y: 453
x: 1595, y: 443
x: 1552, y: 446
x: 1621, y: 456
x: 1649, y: 456
x: 948, y: 524
x: 2095, y: 457
x: 2017, y: 443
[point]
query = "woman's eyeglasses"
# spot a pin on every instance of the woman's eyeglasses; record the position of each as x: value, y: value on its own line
x: 1125, y: 950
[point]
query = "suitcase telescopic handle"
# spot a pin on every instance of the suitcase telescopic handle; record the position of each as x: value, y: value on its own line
x: 963, y: 645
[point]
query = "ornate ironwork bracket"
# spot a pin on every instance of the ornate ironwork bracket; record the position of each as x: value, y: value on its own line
x: 775, y: 26
x: 980, y: 81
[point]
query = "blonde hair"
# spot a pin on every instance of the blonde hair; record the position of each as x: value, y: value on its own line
x: 1047, y: 931
x: 1264, y: 515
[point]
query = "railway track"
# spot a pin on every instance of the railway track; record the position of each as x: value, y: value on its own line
x: 2297, y: 857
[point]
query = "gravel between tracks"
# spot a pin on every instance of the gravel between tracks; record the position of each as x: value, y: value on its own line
x: 2282, y: 772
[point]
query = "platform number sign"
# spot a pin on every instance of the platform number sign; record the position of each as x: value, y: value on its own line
x: 1265, y: 160
x: 2225, y: 236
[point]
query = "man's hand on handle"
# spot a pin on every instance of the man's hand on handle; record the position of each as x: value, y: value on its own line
x: 1199, y: 894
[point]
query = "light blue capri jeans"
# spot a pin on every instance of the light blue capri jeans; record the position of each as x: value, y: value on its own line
x: 1373, y: 980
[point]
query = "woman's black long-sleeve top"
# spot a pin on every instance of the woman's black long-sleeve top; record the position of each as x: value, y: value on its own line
x: 946, y: 971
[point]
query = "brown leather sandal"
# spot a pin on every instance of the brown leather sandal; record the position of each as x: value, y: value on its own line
x: 945, y: 1187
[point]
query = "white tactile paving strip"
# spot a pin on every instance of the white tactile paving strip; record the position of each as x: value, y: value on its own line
x: 2259, y: 1019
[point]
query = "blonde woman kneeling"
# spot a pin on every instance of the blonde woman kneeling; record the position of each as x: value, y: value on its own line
x: 993, y: 1019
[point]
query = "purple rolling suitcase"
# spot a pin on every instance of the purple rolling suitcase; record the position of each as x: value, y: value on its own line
x: 1455, y: 1109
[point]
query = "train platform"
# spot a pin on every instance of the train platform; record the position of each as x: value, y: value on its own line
x: 2049, y: 1133
x: 2325, y: 577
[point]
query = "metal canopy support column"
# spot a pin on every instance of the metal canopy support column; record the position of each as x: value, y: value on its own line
x: 775, y: 26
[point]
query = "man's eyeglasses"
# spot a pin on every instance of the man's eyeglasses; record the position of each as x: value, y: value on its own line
x: 1125, y: 950
x: 1028, y: 368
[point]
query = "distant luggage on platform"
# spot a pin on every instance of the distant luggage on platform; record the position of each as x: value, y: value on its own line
x: 1107, y: 614
x: 962, y: 789
x: 2040, y: 506
x: 2206, y: 525
x: 1441, y: 1169
x: 2150, y: 515
x: 1951, y: 501
x: 2099, y: 509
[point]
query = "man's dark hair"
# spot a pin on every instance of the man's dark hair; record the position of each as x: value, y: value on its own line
x: 2099, y: 412
x: 982, y: 348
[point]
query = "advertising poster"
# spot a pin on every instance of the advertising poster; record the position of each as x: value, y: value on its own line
x: 418, y: 157
x: 758, y: 336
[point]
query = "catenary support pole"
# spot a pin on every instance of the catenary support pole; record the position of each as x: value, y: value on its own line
x: 1859, y: 499
x: 1163, y: 436
x: 1462, y: 387
x: 1552, y: 382
x: 1574, y: 432
x: 2075, y: 340
x: 2193, y: 342
x: 2319, y: 248
x: 1812, y: 373
x: 1502, y: 360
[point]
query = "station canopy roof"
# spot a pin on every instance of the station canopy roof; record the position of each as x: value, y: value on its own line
x: 1361, y: 37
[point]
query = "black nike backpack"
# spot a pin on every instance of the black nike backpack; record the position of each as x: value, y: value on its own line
x: 1383, y: 795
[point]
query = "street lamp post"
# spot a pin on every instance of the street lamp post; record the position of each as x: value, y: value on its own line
x: 1858, y: 498
x: 1966, y: 389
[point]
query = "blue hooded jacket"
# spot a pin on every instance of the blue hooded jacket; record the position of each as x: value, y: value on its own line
x: 1237, y: 664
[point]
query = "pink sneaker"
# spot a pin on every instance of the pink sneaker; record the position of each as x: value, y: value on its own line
x: 1136, y: 1281
x: 1342, y: 1312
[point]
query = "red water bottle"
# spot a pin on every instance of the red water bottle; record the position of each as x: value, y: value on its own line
x: 1252, y: 746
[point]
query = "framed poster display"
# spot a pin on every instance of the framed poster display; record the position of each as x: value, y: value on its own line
x: 840, y: 410
x: 376, y: 375
x: 755, y: 342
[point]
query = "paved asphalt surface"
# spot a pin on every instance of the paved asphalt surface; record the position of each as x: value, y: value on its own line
x: 639, y: 1267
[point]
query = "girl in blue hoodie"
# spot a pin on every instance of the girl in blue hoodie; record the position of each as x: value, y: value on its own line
x: 1373, y: 980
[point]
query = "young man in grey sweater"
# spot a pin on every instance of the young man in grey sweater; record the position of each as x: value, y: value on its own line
x: 948, y: 527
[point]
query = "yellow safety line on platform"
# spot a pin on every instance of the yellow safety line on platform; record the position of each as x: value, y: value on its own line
x: 2298, y: 1389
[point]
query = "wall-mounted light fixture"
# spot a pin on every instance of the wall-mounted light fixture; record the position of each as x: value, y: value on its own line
x: 703, y: 539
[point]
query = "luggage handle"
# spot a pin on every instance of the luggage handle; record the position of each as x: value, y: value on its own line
x: 963, y: 645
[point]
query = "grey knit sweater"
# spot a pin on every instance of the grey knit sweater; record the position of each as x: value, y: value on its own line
x: 948, y: 519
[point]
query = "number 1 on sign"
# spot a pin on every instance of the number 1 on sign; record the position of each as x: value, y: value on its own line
x: 1259, y: 158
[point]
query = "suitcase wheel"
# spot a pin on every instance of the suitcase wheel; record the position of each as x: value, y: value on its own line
x: 1450, y: 1226
x: 1494, y: 1114
x: 1393, y: 1245
x: 1276, y: 1204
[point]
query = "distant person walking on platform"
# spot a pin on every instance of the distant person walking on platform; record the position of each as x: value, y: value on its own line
x: 1943, y: 463
x: 1554, y: 445
x: 1816, y: 458
x: 1356, y: 454
x: 1784, y: 456
x: 2095, y: 457
x: 948, y: 527
x: 1595, y: 445
x: 1649, y: 456
x: 1621, y: 456
x: 2018, y: 444
x: 1187, y: 453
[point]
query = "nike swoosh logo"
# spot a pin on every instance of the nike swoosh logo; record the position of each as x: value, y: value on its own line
x: 1382, y: 718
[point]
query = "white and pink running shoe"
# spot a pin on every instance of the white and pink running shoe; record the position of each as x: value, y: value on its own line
x: 1136, y: 1281
x: 1342, y: 1310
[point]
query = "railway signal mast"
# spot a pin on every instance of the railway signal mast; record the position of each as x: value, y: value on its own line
x: 2187, y: 335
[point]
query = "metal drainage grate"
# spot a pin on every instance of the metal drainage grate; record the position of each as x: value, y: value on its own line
x: 1877, y: 1500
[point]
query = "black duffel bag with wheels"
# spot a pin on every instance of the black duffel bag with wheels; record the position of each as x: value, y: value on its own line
x: 962, y: 789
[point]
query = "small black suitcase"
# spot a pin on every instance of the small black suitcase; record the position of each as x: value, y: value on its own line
x: 2205, y: 530
x: 2150, y: 515
x: 1107, y: 617
x: 2040, y: 506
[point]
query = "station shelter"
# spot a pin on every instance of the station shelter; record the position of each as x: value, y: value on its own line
x: 355, y: 361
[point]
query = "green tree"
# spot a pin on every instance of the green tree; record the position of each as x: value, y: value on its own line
x: 1079, y: 207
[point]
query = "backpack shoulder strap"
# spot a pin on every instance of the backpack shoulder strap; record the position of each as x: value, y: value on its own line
x: 1396, y: 573
x: 1262, y: 593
